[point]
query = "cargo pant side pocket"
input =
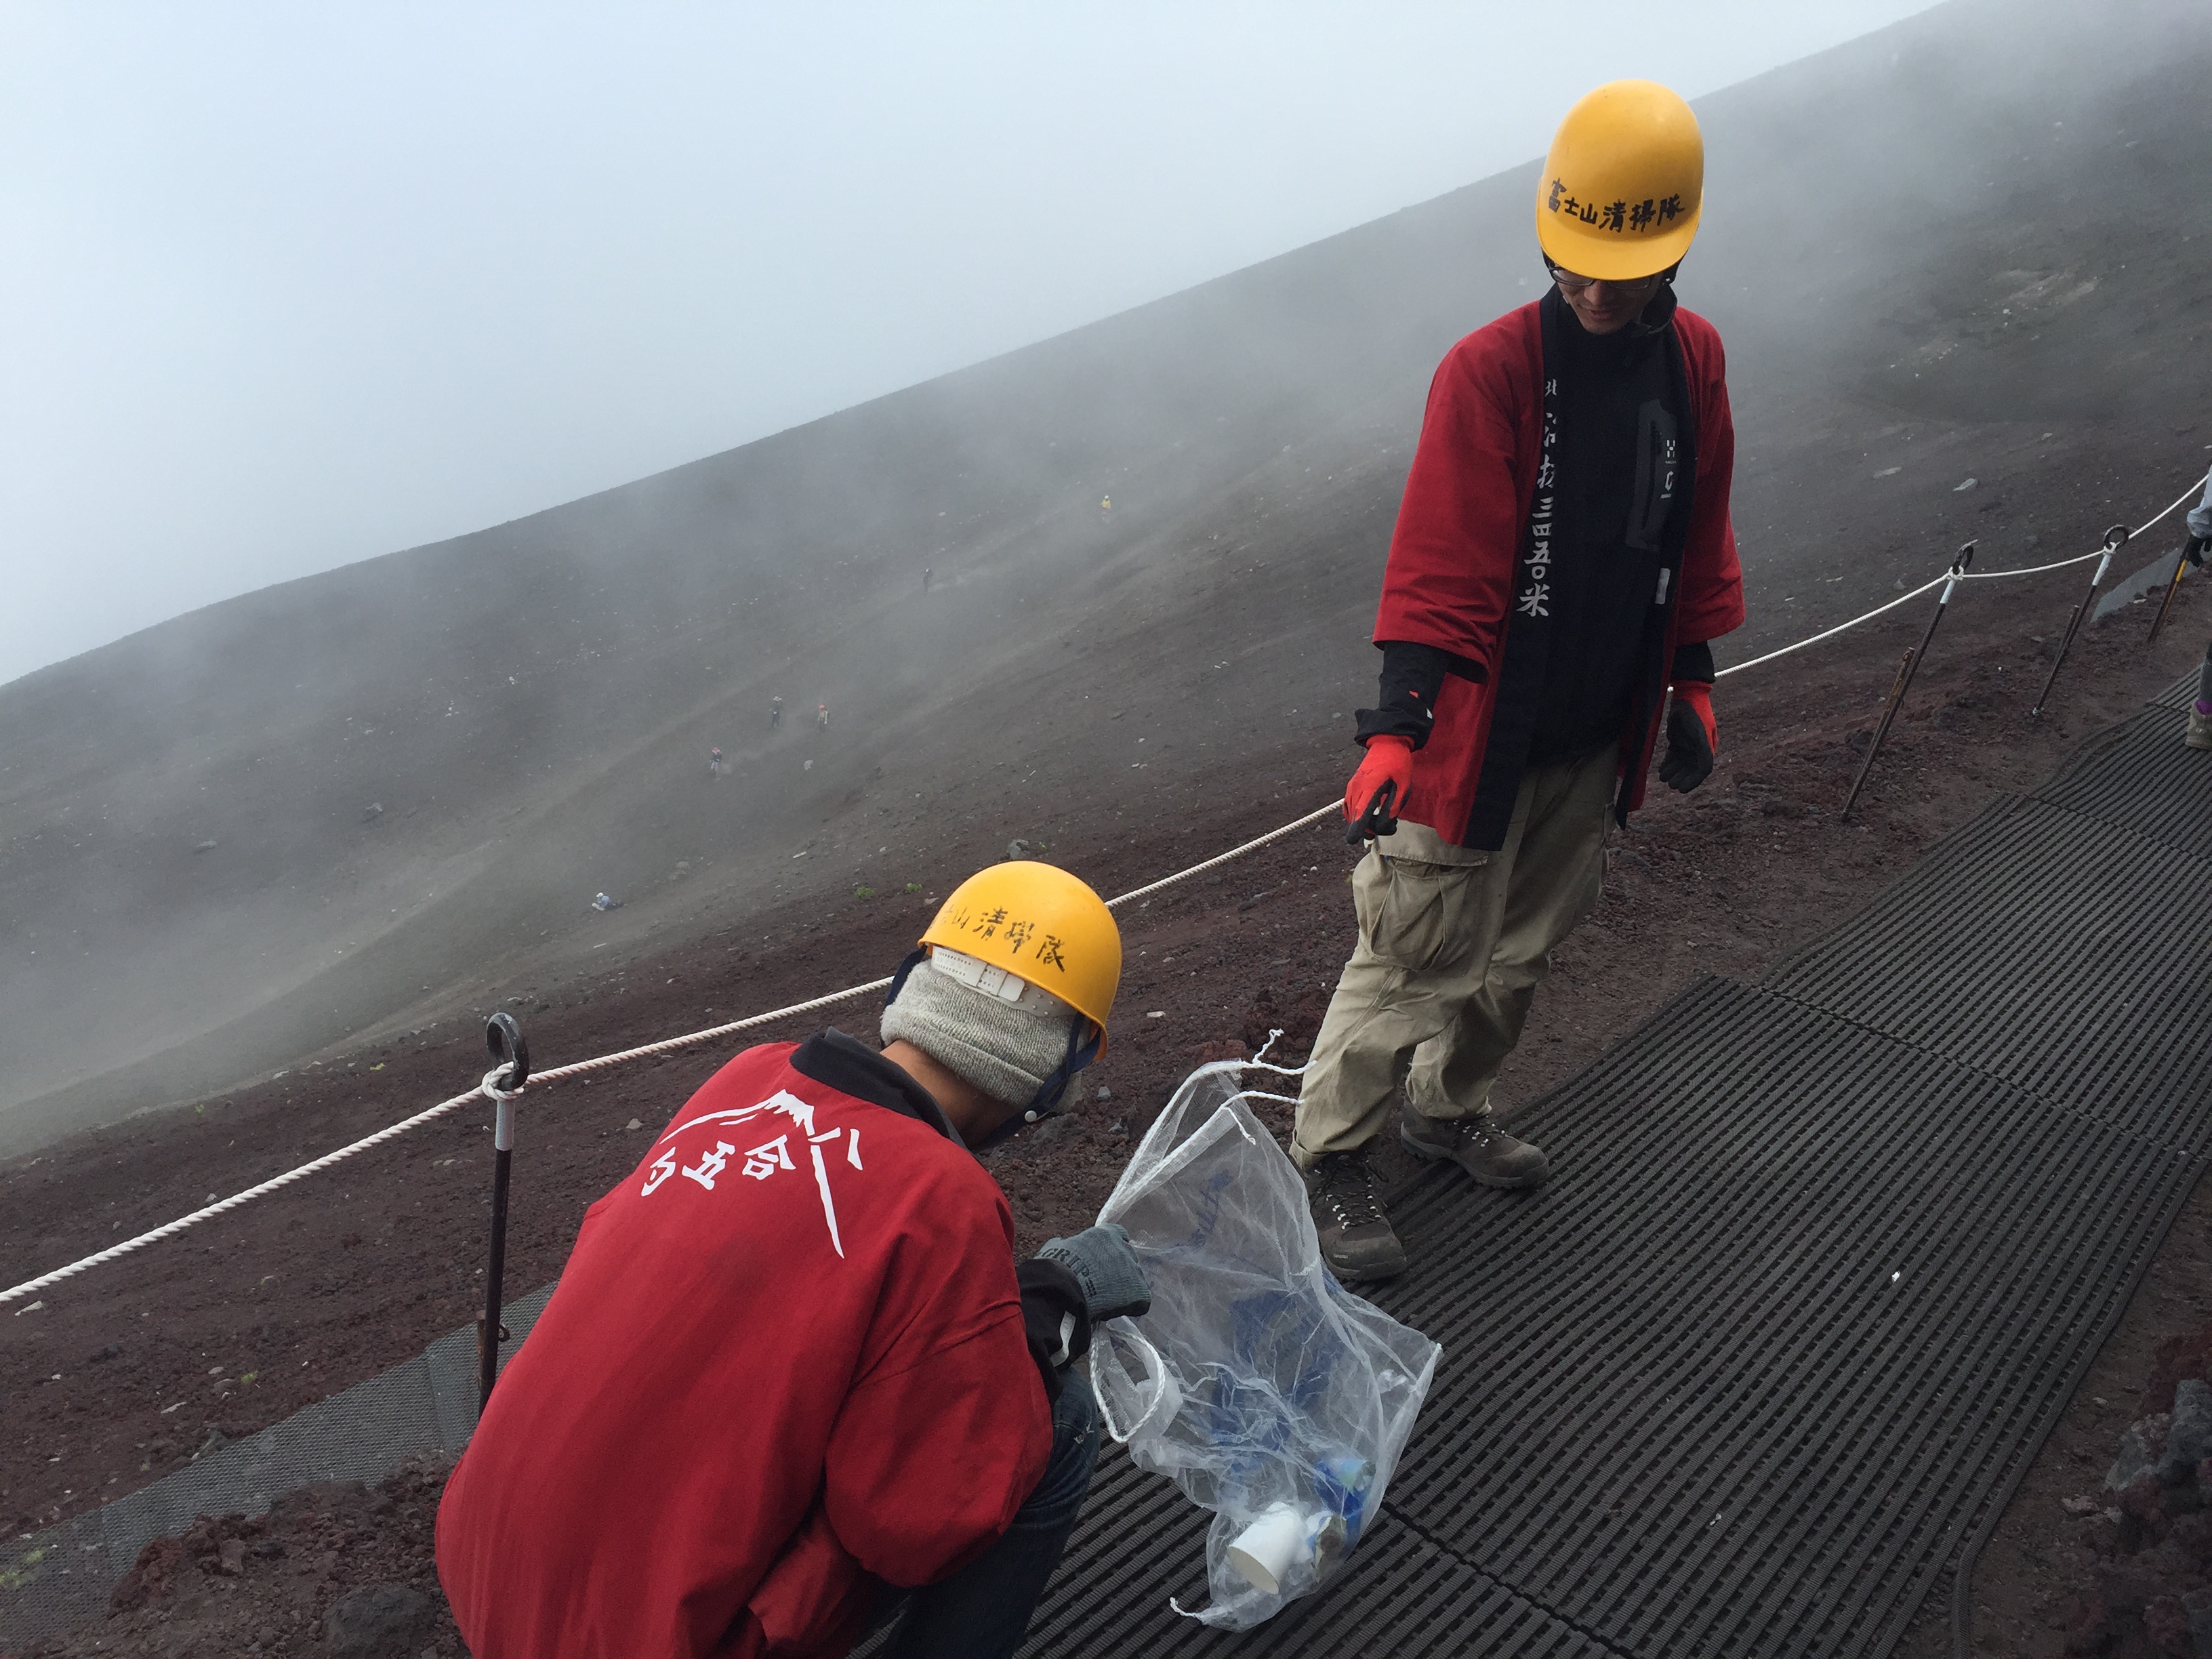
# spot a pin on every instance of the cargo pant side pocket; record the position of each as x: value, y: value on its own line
x: 1413, y: 914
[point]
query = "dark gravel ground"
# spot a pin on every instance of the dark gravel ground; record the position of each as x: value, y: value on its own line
x: 125, y: 1370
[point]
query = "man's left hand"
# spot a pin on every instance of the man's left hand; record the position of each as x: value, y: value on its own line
x: 1104, y: 1264
x: 1691, y: 737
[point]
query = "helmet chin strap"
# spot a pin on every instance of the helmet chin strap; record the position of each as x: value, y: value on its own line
x: 1082, y: 1049
x: 915, y: 958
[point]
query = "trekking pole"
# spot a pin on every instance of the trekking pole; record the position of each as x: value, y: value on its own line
x: 2115, y: 539
x: 1905, y: 671
x: 503, y: 1037
x: 2180, y: 564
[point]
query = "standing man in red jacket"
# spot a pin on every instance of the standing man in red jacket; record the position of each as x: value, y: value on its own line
x: 792, y: 1369
x: 1562, y: 558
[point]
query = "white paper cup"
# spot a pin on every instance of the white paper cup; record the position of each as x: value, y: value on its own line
x: 1268, y: 1549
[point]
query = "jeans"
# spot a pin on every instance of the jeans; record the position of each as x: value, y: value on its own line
x: 982, y: 1610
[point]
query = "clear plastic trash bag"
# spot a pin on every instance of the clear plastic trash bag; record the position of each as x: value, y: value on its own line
x: 1265, y: 1389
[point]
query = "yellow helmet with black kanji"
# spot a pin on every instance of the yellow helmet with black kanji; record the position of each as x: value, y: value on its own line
x: 1039, y: 925
x: 1624, y: 185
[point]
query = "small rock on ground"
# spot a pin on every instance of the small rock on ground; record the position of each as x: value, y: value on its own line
x: 379, y: 1622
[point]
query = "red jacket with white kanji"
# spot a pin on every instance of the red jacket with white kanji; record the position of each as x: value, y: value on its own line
x: 785, y: 1359
x: 1449, y: 580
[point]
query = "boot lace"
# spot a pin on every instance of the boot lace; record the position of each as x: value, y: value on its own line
x: 1462, y: 1133
x: 1348, y: 1188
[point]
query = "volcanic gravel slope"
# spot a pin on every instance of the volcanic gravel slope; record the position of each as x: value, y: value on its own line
x: 343, y: 807
x: 1954, y: 250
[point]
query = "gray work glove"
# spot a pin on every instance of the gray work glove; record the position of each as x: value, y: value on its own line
x: 1104, y: 1264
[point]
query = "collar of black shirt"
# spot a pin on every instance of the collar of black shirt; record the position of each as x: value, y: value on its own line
x: 843, y: 1063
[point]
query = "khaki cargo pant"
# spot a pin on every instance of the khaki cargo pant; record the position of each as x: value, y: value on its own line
x: 1453, y: 943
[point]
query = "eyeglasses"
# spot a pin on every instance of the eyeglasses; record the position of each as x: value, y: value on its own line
x: 1570, y: 283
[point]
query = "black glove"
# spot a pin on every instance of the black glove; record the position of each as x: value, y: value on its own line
x: 1691, y: 737
x: 2195, y: 551
x: 1104, y: 1264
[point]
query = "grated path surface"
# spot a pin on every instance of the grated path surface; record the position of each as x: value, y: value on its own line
x: 2136, y: 782
x: 1141, y: 1551
x: 1820, y: 1263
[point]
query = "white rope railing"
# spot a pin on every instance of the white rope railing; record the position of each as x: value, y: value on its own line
x: 2169, y: 507
x: 578, y: 1068
x: 170, y: 1230
x: 1840, y: 627
x: 1254, y: 845
x: 1934, y: 583
x: 690, y: 1039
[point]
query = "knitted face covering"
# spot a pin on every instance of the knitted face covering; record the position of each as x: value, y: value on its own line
x: 1007, y: 1049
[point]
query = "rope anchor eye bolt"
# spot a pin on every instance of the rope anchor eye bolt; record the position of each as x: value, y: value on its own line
x: 1961, y: 565
x: 503, y: 1041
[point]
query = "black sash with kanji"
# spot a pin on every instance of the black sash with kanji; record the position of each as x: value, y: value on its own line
x: 1553, y: 534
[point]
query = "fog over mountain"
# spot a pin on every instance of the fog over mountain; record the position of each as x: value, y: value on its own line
x: 364, y: 799
x: 290, y: 287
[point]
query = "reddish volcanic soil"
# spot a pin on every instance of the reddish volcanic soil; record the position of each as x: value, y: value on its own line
x: 310, y: 838
x: 127, y: 1368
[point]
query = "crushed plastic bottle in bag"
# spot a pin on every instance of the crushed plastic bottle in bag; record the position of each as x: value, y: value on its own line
x: 1270, y: 1394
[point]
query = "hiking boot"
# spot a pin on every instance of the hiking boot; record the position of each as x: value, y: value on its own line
x: 2199, y: 735
x: 1477, y: 1145
x: 1356, y: 1238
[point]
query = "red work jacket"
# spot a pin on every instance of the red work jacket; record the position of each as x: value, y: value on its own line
x: 1449, y: 581
x: 786, y: 1360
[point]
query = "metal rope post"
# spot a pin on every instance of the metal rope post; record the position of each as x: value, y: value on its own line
x: 2115, y: 539
x: 503, y: 1037
x: 2180, y: 564
x: 1905, y: 673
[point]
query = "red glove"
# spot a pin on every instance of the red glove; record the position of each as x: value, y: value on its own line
x: 1691, y: 737
x: 1389, y: 760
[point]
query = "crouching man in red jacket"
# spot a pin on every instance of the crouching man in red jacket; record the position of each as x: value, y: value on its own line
x: 1562, y: 561
x: 792, y: 1368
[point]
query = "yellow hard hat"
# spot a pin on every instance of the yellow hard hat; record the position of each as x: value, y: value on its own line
x: 1042, y: 926
x: 1623, y: 184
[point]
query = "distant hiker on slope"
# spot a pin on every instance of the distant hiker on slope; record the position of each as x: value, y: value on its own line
x: 792, y: 1366
x: 715, y: 762
x: 1563, y: 556
x: 822, y: 717
x: 774, y: 713
x: 2199, y: 735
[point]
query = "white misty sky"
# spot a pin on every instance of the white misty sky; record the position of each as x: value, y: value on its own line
x: 282, y: 287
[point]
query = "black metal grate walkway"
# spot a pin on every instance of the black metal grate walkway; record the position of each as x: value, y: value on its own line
x: 2179, y: 695
x: 2048, y: 947
x: 2136, y: 782
x: 1821, y: 1262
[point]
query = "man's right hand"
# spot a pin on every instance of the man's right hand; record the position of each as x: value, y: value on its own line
x: 2195, y: 551
x: 1389, y: 760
